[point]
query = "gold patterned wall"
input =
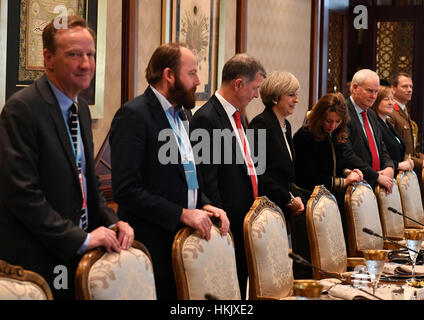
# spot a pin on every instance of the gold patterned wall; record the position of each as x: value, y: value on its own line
x: 394, y: 47
x: 335, y: 52
x: 279, y: 35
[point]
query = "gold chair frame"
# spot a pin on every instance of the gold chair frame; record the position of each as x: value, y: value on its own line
x: 378, y: 190
x: 87, y: 261
x: 18, y: 273
x: 353, y: 248
x: 178, y: 262
x: 399, y: 177
x: 259, y: 204
x: 319, y: 192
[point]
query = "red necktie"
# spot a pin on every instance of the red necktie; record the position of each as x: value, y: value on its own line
x: 243, y: 139
x: 373, y: 148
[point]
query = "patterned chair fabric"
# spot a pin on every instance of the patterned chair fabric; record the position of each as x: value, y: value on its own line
x: 325, y: 233
x: 19, y: 284
x: 392, y: 223
x: 267, y: 249
x: 362, y: 212
x: 410, y: 194
x: 205, y: 267
x: 127, y: 275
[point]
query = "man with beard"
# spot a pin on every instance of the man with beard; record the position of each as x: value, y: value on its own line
x: 159, y: 194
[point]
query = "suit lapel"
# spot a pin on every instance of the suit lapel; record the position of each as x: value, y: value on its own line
x: 225, y: 123
x: 357, y: 122
x: 56, y: 114
x: 161, y: 120
x: 278, y: 132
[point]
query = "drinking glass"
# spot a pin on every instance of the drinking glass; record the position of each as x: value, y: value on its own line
x: 414, y: 238
x: 375, y: 259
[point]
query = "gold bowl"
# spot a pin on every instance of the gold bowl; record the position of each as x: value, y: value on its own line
x: 307, y: 288
x: 414, y: 234
x: 375, y: 254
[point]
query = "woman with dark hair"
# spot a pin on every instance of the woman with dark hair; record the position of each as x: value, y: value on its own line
x: 319, y: 151
x: 383, y: 107
x: 321, y: 139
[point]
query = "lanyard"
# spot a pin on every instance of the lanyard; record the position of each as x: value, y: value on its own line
x: 178, y: 134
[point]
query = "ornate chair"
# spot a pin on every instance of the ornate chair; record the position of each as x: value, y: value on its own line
x: 410, y: 195
x: 391, y: 223
x: 362, y: 212
x: 325, y: 233
x: 111, y: 276
x: 205, y: 267
x: 267, y: 248
x: 17, y: 283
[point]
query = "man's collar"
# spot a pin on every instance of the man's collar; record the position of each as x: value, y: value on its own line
x: 64, y: 101
x: 166, y: 105
x: 401, y: 105
x: 228, y: 107
x: 358, y: 109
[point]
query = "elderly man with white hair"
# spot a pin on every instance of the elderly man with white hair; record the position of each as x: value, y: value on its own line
x: 365, y: 148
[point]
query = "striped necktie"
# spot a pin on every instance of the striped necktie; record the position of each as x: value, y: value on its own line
x: 74, y: 128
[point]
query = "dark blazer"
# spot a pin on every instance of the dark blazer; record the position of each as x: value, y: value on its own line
x: 395, y: 147
x: 227, y: 185
x: 357, y: 152
x: 150, y: 195
x: 40, y: 194
x: 279, y: 175
x: 315, y: 162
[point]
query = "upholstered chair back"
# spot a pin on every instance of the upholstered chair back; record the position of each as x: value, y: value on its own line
x: 325, y: 233
x: 410, y: 194
x: 127, y: 275
x: 205, y: 267
x: 391, y: 223
x: 267, y: 248
x: 362, y: 212
x: 17, y: 283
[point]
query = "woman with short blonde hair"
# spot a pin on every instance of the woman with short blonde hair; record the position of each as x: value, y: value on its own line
x: 279, y: 94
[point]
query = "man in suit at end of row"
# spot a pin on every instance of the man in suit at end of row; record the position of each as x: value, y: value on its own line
x: 51, y: 210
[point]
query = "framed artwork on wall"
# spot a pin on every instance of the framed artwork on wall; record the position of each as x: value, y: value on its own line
x: 195, y: 23
x: 24, y: 59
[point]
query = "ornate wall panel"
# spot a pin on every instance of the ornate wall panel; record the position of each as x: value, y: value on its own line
x: 394, y: 48
x: 335, y: 53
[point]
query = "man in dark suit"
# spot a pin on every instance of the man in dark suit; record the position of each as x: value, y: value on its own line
x: 365, y: 148
x: 154, y: 177
x: 230, y: 183
x: 48, y: 187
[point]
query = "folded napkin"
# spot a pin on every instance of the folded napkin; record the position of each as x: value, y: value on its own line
x: 402, y: 269
x: 338, y: 291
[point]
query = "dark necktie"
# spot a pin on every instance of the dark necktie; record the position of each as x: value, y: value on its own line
x: 371, y: 143
x: 243, y: 139
x: 73, y: 128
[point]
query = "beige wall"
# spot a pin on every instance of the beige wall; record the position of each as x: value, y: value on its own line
x: 279, y: 36
x: 112, y: 90
x: 276, y: 36
x: 149, y: 37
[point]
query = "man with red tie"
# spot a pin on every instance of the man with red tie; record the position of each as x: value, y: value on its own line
x: 365, y: 148
x: 400, y: 119
x: 230, y: 179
